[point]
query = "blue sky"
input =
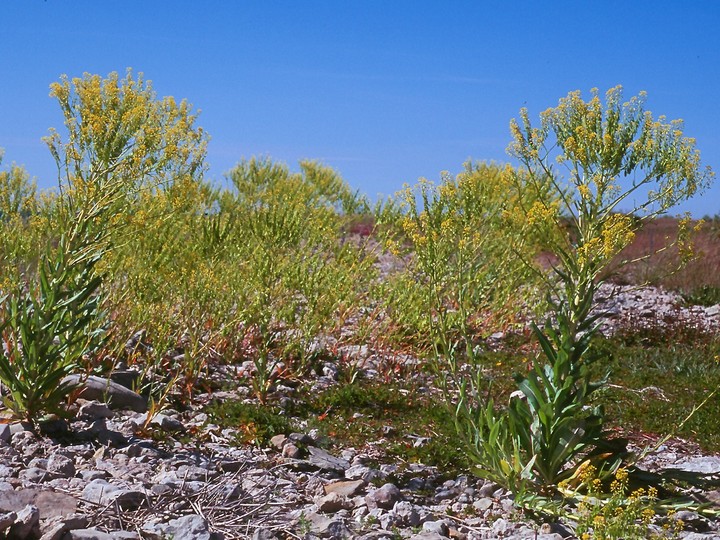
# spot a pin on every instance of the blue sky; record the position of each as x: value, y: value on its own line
x: 383, y: 91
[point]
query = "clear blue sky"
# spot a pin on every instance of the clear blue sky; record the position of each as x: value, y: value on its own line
x: 383, y: 91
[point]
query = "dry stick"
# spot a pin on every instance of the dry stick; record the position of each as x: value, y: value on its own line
x: 655, y: 389
x: 102, y: 508
x: 208, y: 493
x: 247, y: 514
x: 198, y: 509
x: 265, y: 518
x: 119, y: 515
x: 248, y: 525
x: 464, y: 523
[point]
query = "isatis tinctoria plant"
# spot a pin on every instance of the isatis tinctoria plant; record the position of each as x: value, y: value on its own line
x: 460, y: 271
x: 21, y: 226
x: 464, y: 277
x: 120, y: 141
x: 48, y: 325
x: 118, y: 132
x: 298, y: 278
x: 607, y: 167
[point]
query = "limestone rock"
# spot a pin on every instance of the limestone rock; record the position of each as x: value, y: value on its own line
x: 103, y: 492
x: 7, y: 519
x: 408, y: 514
x: 27, y: 524
x: 190, y: 527
x: 95, y: 409
x: 384, y: 497
x: 325, y: 527
x: 51, y: 504
x: 107, y: 391
x: 438, y: 527
x: 61, y: 465
x: 347, y: 488
x: 332, y: 502
x: 326, y: 461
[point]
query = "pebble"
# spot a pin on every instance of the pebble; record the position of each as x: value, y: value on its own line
x: 326, y: 461
x: 333, y: 502
x: 384, y: 497
x: 189, y: 527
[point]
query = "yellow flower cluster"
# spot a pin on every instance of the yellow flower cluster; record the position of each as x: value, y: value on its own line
x: 585, y: 192
x: 541, y: 213
x: 617, y: 514
x: 617, y: 233
x: 119, y: 125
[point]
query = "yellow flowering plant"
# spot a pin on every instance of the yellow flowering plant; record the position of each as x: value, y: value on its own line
x: 119, y: 142
x: 461, y: 269
x: 21, y: 225
x: 600, y: 159
x: 17, y: 192
x: 205, y: 271
x: 618, y: 513
x: 120, y: 126
x: 462, y: 239
x: 300, y: 278
x: 611, y: 154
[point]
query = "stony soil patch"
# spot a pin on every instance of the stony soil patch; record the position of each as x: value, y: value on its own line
x: 115, y: 473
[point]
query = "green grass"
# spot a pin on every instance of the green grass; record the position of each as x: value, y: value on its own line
x: 255, y: 423
x: 355, y: 415
x: 657, y: 376
x: 410, y: 413
x: 684, y: 375
x: 705, y: 295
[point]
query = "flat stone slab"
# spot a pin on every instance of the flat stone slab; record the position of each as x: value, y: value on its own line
x: 107, y: 391
x: 326, y: 461
x: 702, y: 464
x: 346, y: 488
x: 190, y: 527
x: 50, y: 503
x: 102, y: 492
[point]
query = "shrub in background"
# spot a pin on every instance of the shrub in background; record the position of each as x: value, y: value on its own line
x: 23, y: 225
x: 300, y: 279
x: 462, y: 276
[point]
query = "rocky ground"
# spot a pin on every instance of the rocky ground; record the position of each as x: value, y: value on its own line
x: 105, y: 474
x: 648, y: 306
